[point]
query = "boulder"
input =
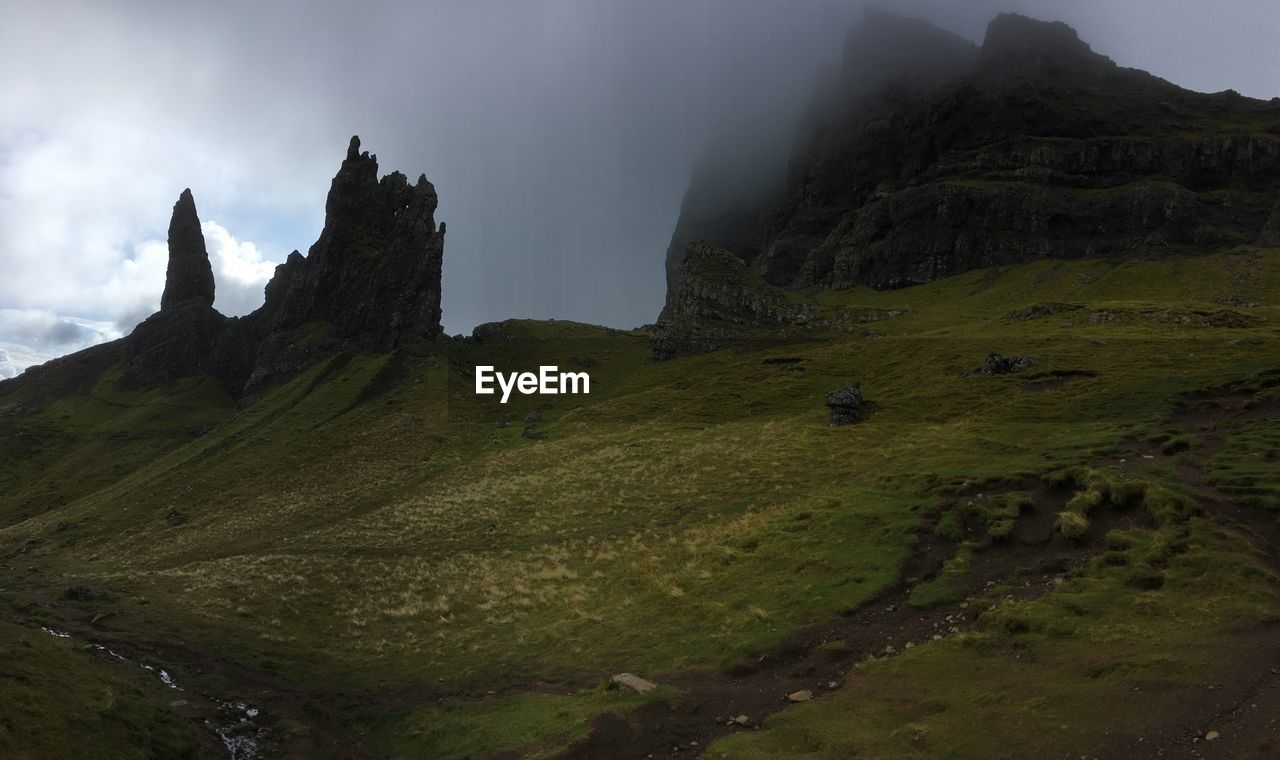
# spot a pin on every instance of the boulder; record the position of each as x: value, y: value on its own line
x: 634, y: 683
x: 998, y: 364
x: 847, y: 406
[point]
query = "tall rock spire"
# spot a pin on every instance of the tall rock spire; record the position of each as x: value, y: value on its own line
x: 371, y: 282
x: 374, y: 273
x: 189, y: 275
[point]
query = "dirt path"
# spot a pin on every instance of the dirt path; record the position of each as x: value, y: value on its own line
x: 1243, y: 708
x: 818, y: 659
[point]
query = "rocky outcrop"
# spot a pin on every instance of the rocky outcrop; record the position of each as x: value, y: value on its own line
x: 721, y: 302
x: 1035, y: 148
x: 371, y: 282
x: 1045, y: 150
x: 374, y: 274
x: 189, y: 275
x: 848, y: 407
x: 716, y: 302
x: 181, y: 339
x: 999, y: 364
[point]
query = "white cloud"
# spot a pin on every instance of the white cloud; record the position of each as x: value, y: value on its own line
x: 133, y: 289
x: 30, y: 336
x: 34, y: 336
x: 240, y: 271
x: 558, y: 132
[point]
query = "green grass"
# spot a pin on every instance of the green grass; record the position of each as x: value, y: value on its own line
x: 369, y: 527
x: 531, y: 724
x: 1247, y: 466
x: 1078, y: 671
x: 59, y: 699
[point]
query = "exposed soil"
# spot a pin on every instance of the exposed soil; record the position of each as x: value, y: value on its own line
x: 1055, y: 379
x: 818, y: 658
x: 1243, y: 708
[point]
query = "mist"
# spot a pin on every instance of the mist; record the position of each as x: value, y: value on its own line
x: 561, y: 135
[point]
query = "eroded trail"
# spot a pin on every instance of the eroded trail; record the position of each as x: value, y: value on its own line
x: 1238, y: 715
x: 815, y: 661
x: 1243, y: 704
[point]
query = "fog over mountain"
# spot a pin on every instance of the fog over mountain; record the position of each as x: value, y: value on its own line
x: 560, y: 135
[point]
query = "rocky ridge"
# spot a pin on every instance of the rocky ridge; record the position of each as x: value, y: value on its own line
x: 721, y: 301
x: 1033, y: 147
x: 370, y: 282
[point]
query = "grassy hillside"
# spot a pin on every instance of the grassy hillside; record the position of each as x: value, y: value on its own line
x: 373, y: 557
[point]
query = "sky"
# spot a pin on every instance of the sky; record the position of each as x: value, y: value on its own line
x: 559, y: 134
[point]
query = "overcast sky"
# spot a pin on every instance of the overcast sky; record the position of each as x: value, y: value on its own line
x: 559, y: 134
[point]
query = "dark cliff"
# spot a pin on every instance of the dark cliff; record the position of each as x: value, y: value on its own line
x: 1031, y: 147
x: 189, y: 274
x: 371, y: 282
x: 375, y: 271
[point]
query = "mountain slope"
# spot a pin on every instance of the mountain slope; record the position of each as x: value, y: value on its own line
x: 364, y: 544
x: 302, y: 534
x: 1034, y: 148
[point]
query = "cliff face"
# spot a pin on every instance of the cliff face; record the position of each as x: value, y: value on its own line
x: 375, y: 271
x: 370, y: 282
x: 1035, y: 148
x: 720, y: 301
x: 737, y: 184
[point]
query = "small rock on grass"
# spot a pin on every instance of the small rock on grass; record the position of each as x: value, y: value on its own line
x: 1211, y: 736
x: 804, y: 695
x: 634, y: 682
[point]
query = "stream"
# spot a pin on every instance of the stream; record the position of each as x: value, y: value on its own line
x: 235, y: 725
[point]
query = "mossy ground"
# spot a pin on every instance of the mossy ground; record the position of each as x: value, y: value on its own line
x: 370, y: 529
x: 59, y: 700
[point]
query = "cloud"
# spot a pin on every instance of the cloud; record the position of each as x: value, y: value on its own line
x: 240, y: 271
x: 30, y: 336
x: 559, y: 133
x: 34, y: 336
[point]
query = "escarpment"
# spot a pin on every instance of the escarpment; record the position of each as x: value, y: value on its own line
x: 371, y: 282
x: 955, y: 157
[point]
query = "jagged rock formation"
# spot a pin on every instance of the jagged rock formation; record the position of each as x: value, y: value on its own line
x: 717, y: 302
x: 999, y: 364
x: 721, y: 302
x: 189, y: 274
x: 371, y: 282
x: 375, y: 271
x: 736, y: 184
x: 847, y: 406
x: 1034, y: 147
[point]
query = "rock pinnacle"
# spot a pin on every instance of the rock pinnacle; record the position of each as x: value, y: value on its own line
x: 189, y: 275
